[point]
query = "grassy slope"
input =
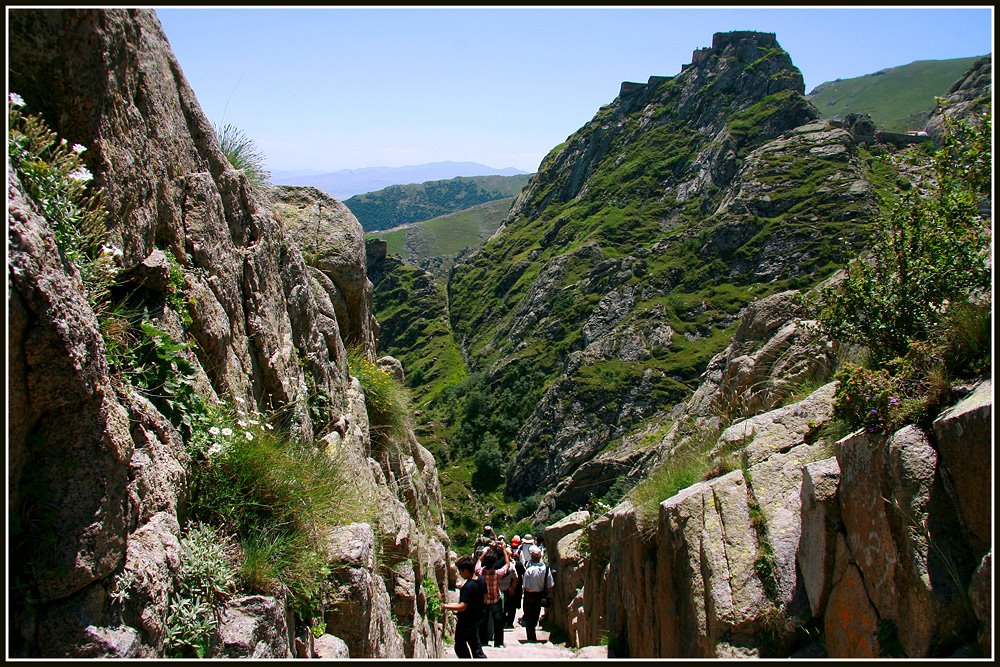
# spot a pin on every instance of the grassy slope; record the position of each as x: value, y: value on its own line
x: 898, y: 98
x: 654, y: 244
x: 402, y: 204
x: 446, y: 236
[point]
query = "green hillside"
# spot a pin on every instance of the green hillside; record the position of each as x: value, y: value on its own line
x: 897, y: 98
x: 433, y: 244
x: 402, y: 204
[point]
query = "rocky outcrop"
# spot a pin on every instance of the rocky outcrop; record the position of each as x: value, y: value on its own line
x: 98, y: 475
x: 866, y: 546
x: 967, y: 97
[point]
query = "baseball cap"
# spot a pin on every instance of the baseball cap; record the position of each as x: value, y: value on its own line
x: 516, y: 540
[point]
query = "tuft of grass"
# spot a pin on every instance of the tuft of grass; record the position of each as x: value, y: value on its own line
x: 386, y: 399
x: 677, y: 473
x: 244, y: 155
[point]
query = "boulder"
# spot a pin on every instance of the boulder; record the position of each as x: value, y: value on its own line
x: 820, y: 526
x: 964, y: 442
x: 329, y: 647
x: 255, y: 627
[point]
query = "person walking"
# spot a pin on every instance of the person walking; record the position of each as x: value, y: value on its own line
x: 469, y: 610
x: 512, y: 599
x: 490, y: 574
x: 537, y: 581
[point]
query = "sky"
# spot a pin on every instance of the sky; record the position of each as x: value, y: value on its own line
x: 331, y: 88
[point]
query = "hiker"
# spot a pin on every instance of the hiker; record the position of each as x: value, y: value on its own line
x: 512, y: 598
x: 490, y: 574
x: 487, y: 537
x: 537, y: 581
x: 523, y: 552
x: 469, y: 610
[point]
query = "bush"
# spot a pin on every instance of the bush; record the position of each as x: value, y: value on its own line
x: 930, y: 255
x: 490, y: 462
x: 55, y: 177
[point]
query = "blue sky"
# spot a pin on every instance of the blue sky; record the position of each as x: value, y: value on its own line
x: 343, y: 88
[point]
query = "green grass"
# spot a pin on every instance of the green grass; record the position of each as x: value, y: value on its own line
x: 897, y: 98
x: 433, y: 244
x: 402, y: 204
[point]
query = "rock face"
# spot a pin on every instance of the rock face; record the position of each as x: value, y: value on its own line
x: 966, y: 97
x: 98, y: 476
x: 588, y: 296
x: 867, y: 546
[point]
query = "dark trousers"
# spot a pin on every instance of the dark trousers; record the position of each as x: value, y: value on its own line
x: 511, y: 598
x: 467, y: 639
x: 532, y: 610
x: 492, y: 624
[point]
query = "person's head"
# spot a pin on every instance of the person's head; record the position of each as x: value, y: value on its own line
x: 488, y: 530
x: 515, y: 541
x: 466, y: 566
x: 536, y: 553
x: 490, y: 559
x: 528, y: 539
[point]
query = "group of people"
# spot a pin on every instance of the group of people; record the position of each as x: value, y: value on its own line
x: 498, y: 580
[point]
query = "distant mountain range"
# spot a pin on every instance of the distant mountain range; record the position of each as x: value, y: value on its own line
x: 346, y: 183
x: 897, y: 98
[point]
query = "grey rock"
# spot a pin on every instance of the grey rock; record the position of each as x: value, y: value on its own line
x: 820, y: 525
x: 329, y: 647
x: 254, y: 627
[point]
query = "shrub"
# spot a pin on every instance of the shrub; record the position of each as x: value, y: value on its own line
x: 928, y: 256
x: 206, y: 578
x: 243, y: 155
x: 277, y: 497
x: 430, y: 587
x: 54, y: 175
x: 386, y: 399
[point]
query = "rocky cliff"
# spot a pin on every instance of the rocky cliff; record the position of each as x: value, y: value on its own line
x: 624, y: 264
x: 99, y: 475
x: 788, y: 554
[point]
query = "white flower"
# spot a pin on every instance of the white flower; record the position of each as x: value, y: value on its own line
x: 214, y: 430
x: 81, y: 174
x: 112, y: 250
x: 242, y: 423
x: 249, y: 435
x: 216, y: 448
x: 254, y: 422
x: 239, y: 400
x: 268, y: 426
x: 227, y: 431
x: 79, y: 148
x: 16, y: 99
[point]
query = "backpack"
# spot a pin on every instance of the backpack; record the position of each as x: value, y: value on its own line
x: 507, y: 580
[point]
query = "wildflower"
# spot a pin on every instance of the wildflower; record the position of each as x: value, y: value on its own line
x: 214, y: 430
x: 268, y: 426
x: 249, y: 435
x: 894, y: 400
x: 227, y: 431
x: 79, y: 148
x: 242, y: 423
x: 216, y: 448
x: 874, y: 411
x: 112, y: 250
x: 239, y: 400
x: 16, y: 99
x: 254, y: 422
x: 81, y: 174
